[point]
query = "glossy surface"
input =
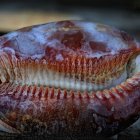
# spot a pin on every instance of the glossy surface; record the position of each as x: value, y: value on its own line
x: 68, y: 77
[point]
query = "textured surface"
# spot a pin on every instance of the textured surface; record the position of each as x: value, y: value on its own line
x: 94, y: 54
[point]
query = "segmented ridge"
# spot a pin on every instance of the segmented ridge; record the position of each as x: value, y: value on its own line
x: 76, y: 67
x: 87, y: 69
x: 18, y: 71
x: 9, y: 68
x: 38, y: 92
x: 44, y: 93
x: 122, y: 90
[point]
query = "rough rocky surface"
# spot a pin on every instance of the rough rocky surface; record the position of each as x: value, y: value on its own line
x: 131, y: 133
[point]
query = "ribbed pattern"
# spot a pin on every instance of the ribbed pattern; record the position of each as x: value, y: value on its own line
x: 94, y: 70
x: 44, y: 93
x: 24, y: 73
x: 10, y: 68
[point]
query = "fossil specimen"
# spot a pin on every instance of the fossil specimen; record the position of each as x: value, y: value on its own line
x: 69, y: 78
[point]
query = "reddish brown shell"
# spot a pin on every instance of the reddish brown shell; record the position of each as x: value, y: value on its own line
x: 79, y: 50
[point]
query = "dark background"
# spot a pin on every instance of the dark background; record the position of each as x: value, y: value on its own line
x: 128, y: 4
x: 123, y: 14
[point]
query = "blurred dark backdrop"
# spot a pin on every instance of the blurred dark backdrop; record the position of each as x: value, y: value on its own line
x: 128, y: 4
